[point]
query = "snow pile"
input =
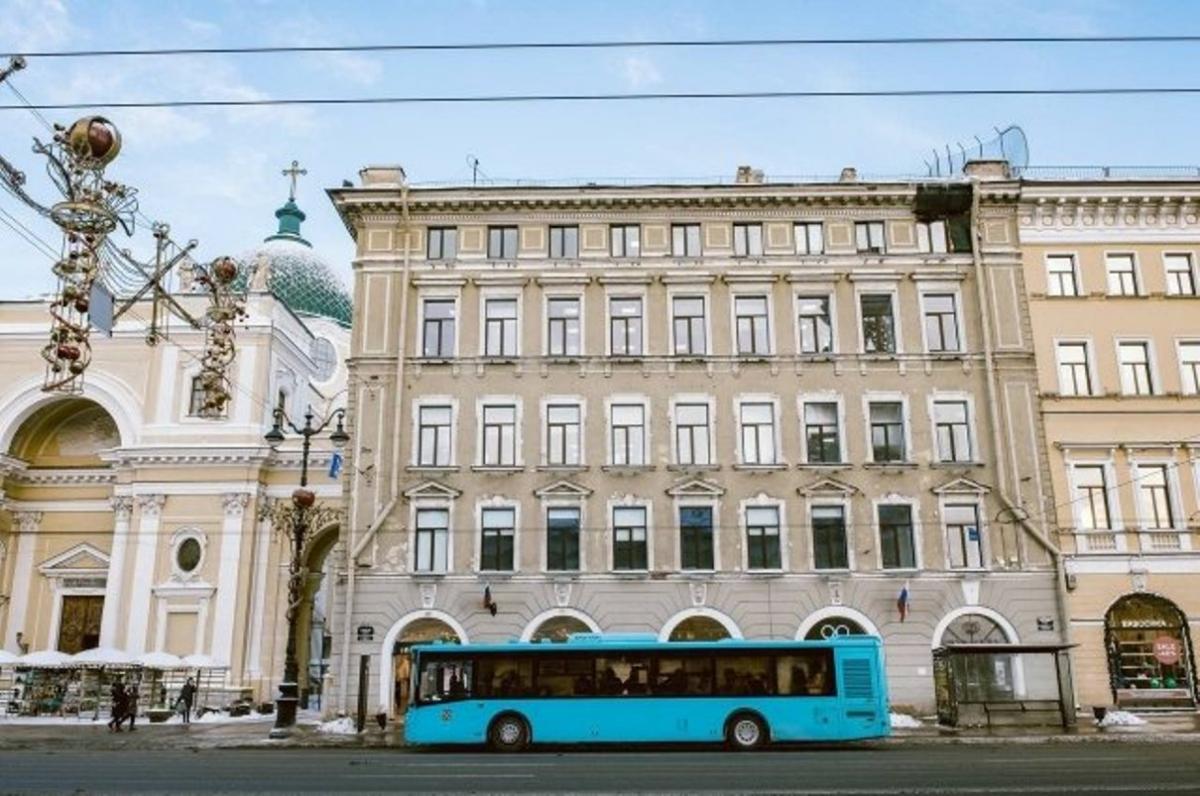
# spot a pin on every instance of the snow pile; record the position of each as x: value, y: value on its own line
x: 1121, y: 718
x: 221, y: 717
x: 903, y: 721
x: 343, y: 726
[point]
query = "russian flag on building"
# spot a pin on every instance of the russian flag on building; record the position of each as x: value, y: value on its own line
x: 902, y: 602
x: 335, y: 464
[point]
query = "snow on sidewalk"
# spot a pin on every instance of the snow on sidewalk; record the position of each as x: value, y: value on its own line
x: 1121, y: 718
x: 343, y: 726
x: 903, y: 721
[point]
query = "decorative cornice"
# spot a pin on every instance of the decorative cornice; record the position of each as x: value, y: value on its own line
x: 186, y: 457
x: 64, y: 476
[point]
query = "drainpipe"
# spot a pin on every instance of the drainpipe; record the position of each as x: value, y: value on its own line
x: 1020, y: 515
x: 357, y: 547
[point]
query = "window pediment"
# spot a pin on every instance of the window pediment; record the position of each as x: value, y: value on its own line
x: 562, y: 488
x: 432, y: 489
x: 696, y: 487
x: 80, y: 559
x: 961, y: 486
x: 828, y: 486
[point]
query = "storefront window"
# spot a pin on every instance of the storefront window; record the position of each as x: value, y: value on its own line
x: 1149, y: 652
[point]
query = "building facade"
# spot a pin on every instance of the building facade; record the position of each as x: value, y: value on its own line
x: 1111, y: 265
x: 753, y: 409
x: 130, y: 522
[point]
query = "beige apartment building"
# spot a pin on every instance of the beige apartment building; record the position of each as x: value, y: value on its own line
x: 1111, y: 269
x: 755, y: 409
x: 128, y: 521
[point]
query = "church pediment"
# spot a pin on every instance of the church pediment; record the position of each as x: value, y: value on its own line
x: 961, y: 486
x: 696, y: 487
x: 828, y: 486
x: 562, y: 488
x: 432, y: 489
x: 80, y: 559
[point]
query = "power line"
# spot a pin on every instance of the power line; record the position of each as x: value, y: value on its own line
x: 451, y: 99
x: 609, y: 44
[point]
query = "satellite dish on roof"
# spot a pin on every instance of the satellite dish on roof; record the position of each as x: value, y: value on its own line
x: 1009, y: 144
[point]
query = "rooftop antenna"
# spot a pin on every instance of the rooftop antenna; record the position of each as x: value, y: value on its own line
x: 473, y: 162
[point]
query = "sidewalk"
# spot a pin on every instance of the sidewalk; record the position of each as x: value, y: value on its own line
x: 251, y: 733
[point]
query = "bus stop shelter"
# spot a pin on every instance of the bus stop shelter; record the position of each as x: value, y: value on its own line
x: 1003, y: 685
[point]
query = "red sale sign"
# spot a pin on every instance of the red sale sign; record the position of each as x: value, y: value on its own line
x: 1166, y: 650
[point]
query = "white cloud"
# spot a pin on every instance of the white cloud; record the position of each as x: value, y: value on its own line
x: 200, y: 27
x: 639, y: 71
x: 34, y: 24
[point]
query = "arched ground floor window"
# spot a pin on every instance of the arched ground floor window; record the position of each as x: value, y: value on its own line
x: 1150, y: 656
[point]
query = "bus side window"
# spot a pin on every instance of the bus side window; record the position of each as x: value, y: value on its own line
x: 624, y: 675
x: 684, y: 676
x: 443, y: 680
x: 503, y: 676
x: 806, y: 673
x: 744, y: 675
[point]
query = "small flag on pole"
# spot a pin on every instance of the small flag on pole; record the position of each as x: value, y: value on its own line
x: 335, y: 464
x: 902, y: 602
x: 488, y: 602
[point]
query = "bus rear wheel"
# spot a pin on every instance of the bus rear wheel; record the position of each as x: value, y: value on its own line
x: 509, y: 733
x: 746, y: 731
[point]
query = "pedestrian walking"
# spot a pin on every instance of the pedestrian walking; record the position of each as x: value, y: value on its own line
x: 117, y: 697
x: 131, y: 704
x: 186, y: 696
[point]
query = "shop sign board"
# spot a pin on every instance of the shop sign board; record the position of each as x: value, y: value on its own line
x: 1166, y: 650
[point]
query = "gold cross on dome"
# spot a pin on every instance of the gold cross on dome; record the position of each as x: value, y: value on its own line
x: 294, y: 172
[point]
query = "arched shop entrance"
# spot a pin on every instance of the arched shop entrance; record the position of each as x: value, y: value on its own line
x: 558, y: 627
x: 832, y: 627
x: 418, y: 631
x: 700, y: 625
x: 982, y: 678
x: 1150, y: 656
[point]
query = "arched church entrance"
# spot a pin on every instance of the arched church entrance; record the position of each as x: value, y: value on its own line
x: 1150, y: 657
x: 314, y: 640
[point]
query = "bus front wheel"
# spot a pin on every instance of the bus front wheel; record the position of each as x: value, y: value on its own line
x: 509, y: 733
x: 746, y: 731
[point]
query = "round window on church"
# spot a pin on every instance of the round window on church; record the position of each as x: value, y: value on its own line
x: 325, y: 359
x: 187, y: 555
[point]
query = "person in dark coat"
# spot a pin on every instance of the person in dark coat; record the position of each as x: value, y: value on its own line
x: 131, y: 706
x: 187, y: 694
x: 117, y: 696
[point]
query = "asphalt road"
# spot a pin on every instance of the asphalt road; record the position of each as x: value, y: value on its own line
x: 1000, y: 769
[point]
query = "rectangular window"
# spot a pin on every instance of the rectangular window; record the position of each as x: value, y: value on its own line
x: 868, y: 237
x: 878, y: 323
x: 829, y: 538
x: 502, y: 243
x: 747, y: 240
x: 758, y: 433
x: 562, y: 539
x: 626, y: 240
x: 687, y: 315
x: 816, y: 324
x: 1122, y: 275
x: 822, y: 439
x: 562, y: 327
x: 564, y: 243
x: 941, y: 323
x: 1189, y: 367
x: 887, y: 431
x: 1074, y: 374
x: 1061, y: 278
x: 1154, y: 497
x: 1181, y: 278
x: 810, y: 237
x: 625, y: 326
x: 628, y: 435
x: 629, y: 537
x: 896, y: 546
x: 196, y: 399
x: 437, y: 334
x: 696, y: 537
x: 500, y: 327
x: 498, y: 527
x: 964, y: 536
x: 952, y: 431
x: 932, y: 237
x: 433, y: 436
x: 753, y: 326
x: 762, y: 537
x: 443, y: 243
x: 685, y: 240
x: 499, y: 435
x: 433, y: 534
x: 1135, y: 368
x: 1093, y: 497
x: 692, y: 434
x: 563, y: 434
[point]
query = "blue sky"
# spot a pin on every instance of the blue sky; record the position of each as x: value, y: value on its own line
x: 213, y: 174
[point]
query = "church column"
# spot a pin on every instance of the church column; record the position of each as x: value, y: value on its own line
x: 227, y: 576
x: 258, y: 588
x: 110, y: 621
x: 27, y: 523
x: 145, y: 550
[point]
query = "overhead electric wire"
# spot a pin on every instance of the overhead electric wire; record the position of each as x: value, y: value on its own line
x: 450, y: 99
x: 613, y: 44
x: 28, y: 235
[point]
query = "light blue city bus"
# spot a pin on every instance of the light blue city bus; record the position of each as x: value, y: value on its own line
x: 627, y: 688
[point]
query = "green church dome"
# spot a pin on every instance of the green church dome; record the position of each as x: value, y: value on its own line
x: 294, y: 273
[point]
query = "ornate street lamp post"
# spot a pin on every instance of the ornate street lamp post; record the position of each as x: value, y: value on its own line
x: 301, y: 513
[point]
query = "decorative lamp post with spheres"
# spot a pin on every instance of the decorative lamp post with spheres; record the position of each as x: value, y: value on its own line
x: 297, y: 519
